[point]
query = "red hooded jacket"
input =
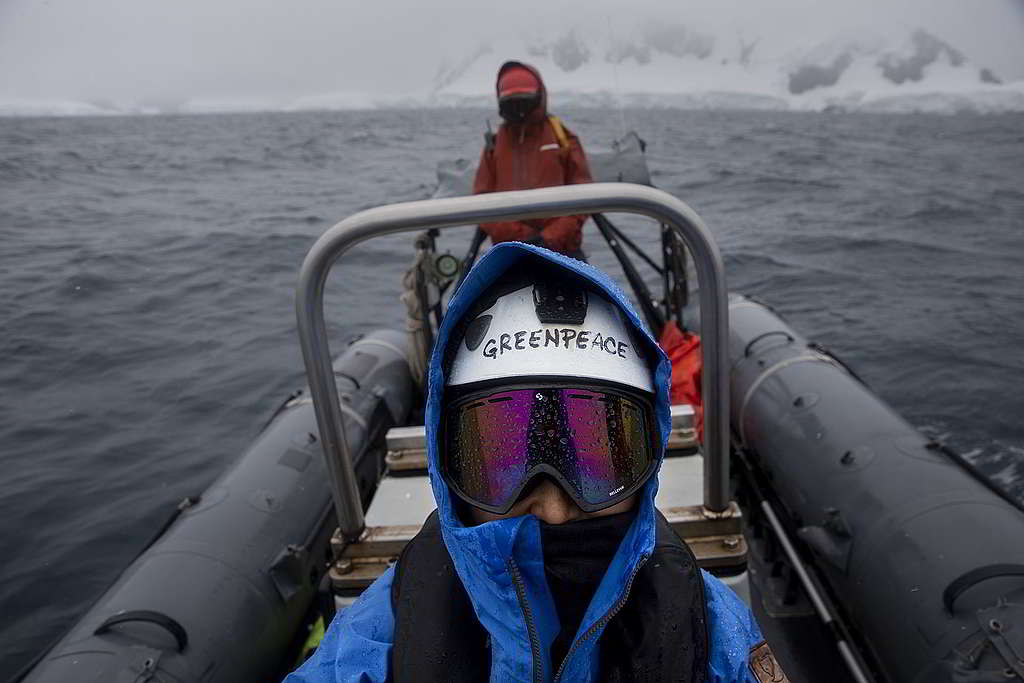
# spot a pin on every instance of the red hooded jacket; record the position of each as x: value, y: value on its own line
x: 527, y: 156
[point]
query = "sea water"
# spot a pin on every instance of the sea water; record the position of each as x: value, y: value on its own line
x: 148, y: 266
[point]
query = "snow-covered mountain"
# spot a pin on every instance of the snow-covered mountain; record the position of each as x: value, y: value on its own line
x: 590, y: 60
x: 660, y: 64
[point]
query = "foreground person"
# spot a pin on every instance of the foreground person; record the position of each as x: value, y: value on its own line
x: 547, y: 414
x: 531, y: 149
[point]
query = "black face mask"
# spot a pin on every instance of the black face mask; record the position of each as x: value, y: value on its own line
x: 576, y: 556
x: 516, y: 108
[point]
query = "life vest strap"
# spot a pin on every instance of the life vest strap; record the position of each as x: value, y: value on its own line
x: 560, y: 134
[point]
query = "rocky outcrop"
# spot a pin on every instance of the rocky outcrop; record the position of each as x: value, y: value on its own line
x: 926, y: 50
x: 678, y: 40
x: 987, y: 76
x: 569, y: 52
x: 449, y: 72
x: 811, y: 76
x: 898, y: 66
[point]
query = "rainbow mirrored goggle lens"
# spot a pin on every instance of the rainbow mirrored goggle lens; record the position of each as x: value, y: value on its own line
x: 597, y: 444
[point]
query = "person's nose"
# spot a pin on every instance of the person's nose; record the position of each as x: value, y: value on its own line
x: 551, y: 504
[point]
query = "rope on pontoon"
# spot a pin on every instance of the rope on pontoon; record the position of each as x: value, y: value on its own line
x: 415, y: 324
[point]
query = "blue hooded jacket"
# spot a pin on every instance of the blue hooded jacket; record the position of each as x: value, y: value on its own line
x: 357, y: 645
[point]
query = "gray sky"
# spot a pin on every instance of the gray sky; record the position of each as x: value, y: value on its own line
x: 172, y: 49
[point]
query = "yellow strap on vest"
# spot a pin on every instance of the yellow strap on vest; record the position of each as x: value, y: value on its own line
x: 560, y: 134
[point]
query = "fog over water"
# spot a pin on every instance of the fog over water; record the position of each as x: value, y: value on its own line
x: 260, y: 53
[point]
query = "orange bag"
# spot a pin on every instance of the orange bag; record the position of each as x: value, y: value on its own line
x: 683, y: 350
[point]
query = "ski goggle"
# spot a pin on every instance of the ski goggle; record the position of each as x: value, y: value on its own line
x: 516, y: 107
x: 598, y: 444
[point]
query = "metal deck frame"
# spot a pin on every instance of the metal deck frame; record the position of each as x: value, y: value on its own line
x: 500, y: 206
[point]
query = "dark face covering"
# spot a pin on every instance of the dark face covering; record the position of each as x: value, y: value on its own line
x: 576, y: 556
x: 517, y: 108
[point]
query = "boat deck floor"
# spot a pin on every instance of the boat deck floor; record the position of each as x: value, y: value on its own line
x: 801, y: 644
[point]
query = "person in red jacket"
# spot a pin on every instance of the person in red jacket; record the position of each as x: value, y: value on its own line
x: 531, y: 149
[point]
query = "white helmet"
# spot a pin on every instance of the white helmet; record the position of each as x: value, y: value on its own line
x: 552, y: 327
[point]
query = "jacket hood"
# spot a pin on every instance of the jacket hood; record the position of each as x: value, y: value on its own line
x: 483, y: 554
x: 542, y: 110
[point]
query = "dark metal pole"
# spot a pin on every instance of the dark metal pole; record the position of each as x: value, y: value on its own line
x: 666, y: 259
x: 629, y: 243
x: 643, y: 295
x: 467, y: 263
x: 677, y: 294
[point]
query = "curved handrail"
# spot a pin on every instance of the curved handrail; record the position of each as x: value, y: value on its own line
x: 500, y: 206
x: 971, y: 578
x: 148, y: 616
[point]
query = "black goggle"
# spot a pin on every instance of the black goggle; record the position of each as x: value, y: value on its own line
x: 515, y: 108
x: 597, y: 443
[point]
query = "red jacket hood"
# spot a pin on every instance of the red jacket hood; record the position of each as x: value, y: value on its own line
x: 542, y: 110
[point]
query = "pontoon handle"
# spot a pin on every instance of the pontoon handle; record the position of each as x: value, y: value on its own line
x: 502, y: 206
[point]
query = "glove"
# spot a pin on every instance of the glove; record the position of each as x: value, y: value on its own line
x: 564, y: 234
x: 507, y: 231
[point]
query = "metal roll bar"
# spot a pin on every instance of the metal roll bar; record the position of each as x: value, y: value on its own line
x: 500, y: 206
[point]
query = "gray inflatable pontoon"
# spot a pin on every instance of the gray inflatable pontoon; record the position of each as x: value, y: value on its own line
x: 224, y: 592
x: 915, y: 552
